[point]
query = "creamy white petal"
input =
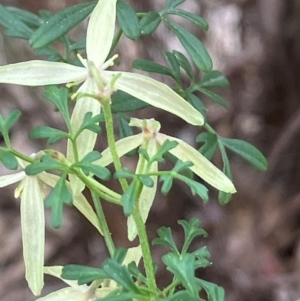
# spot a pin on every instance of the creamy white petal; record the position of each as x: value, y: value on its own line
x: 148, y: 193
x: 133, y: 254
x: 81, y: 203
x: 65, y: 294
x: 33, y: 233
x: 202, y: 167
x: 156, y: 94
x: 11, y: 179
x: 56, y: 271
x: 87, y: 139
x: 123, y: 146
x: 100, y: 32
x: 40, y: 73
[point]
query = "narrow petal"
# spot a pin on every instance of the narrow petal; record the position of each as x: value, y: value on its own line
x: 123, y: 146
x: 148, y: 193
x: 86, y: 140
x: 156, y: 94
x: 202, y: 167
x: 11, y: 179
x: 65, y: 294
x: 133, y: 254
x: 56, y: 271
x: 40, y: 73
x: 33, y: 233
x: 79, y: 201
x: 100, y: 32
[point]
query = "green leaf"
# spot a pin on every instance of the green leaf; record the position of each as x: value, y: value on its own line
x: 224, y: 197
x: 146, y: 180
x: 149, y: 22
x: 128, y: 20
x: 196, y: 188
x: 53, y: 135
x: 60, y: 24
x: 181, y: 296
x: 124, y: 173
x: 193, y: 46
x: 8, y: 160
x: 117, y: 296
x: 163, y: 150
x: 30, y: 19
x: 59, y: 196
x: 202, y: 256
x: 189, y: 16
x: 213, y: 291
x: 181, y: 166
x: 81, y: 44
x: 82, y: 274
x: 134, y: 271
x: 172, y: 61
x: 91, y: 157
x: 143, y: 152
x: 91, y: 123
x: 120, y: 255
x: 197, y: 103
x: 210, y: 144
x: 184, y: 64
x: 124, y: 128
x: 50, y: 53
x: 191, y: 231
x: 167, y: 183
x: 59, y: 97
x: 46, y: 163
x: 123, y: 102
x: 12, y: 118
x: 246, y: 151
x: 151, y: 66
x: 214, y: 79
x: 129, y: 197
x: 99, y: 171
x: 14, y: 26
x: 173, y: 3
x: 183, y: 269
x: 214, y: 97
x: 120, y: 274
x: 165, y: 239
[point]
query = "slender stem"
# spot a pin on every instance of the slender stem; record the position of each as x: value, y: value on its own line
x: 111, y: 139
x: 101, y: 190
x: 144, y: 242
x: 21, y: 156
x: 148, y: 262
x: 170, y: 287
x: 103, y: 224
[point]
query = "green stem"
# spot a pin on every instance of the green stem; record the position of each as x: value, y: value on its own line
x: 111, y: 139
x: 21, y: 156
x: 101, y: 190
x: 144, y: 242
x: 103, y: 224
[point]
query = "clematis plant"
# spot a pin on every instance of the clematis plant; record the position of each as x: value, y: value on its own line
x: 103, y: 96
x: 97, y: 81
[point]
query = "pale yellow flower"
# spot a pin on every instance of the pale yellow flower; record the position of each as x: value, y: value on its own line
x: 31, y: 192
x: 153, y: 139
x: 100, y: 33
x: 76, y: 292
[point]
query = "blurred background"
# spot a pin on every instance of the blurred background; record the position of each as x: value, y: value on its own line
x: 254, y: 240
